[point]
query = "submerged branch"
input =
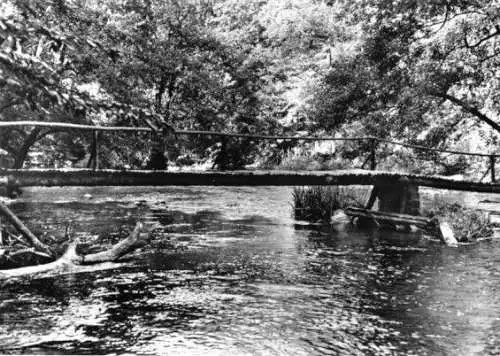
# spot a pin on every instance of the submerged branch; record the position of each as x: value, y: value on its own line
x: 72, y: 262
x: 118, y: 250
x: 62, y: 264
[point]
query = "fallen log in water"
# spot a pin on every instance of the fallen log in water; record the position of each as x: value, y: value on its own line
x: 440, y: 228
x: 385, y: 217
x: 72, y: 262
x: 86, y: 177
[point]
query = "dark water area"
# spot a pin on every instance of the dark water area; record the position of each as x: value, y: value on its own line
x: 229, y: 272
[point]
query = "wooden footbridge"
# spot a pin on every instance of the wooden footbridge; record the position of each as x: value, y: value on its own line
x: 104, y: 177
x: 88, y: 177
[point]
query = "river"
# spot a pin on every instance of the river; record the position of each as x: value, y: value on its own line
x: 229, y: 272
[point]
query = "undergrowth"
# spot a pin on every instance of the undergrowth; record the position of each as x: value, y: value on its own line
x: 467, y: 224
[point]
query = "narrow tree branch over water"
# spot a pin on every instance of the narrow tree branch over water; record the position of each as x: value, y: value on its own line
x: 23, y: 229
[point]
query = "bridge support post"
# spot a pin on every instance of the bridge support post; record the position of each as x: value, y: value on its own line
x: 401, y: 196
x: 492, y: 168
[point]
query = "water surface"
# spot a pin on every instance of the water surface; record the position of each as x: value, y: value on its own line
x: 229, y: 272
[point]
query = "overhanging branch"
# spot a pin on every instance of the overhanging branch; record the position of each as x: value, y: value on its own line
x: 470, y: 109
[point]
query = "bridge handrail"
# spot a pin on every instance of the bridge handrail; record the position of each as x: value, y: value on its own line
x: 70, y: 126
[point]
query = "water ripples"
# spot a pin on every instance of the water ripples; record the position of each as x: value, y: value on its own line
x: 228, y: 275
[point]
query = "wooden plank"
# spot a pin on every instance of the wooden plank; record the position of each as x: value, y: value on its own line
x: 442, y: 229
x: 388, y: 217
x: 87, y: 177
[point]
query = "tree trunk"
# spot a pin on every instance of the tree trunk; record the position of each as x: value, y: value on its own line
x: 35, y: 135
x: 88, y: 178
x: 157, y: 159
x: 25, y: 147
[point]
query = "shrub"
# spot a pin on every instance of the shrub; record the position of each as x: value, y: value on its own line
x: 467, y: 224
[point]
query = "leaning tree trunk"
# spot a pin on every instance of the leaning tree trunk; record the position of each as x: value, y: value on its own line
x: 35, y: 135
x: 157, y: 158
x: 25, y: 147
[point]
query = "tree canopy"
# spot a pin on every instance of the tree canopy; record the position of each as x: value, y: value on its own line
x: 423, y: 72
x: 421, y: 65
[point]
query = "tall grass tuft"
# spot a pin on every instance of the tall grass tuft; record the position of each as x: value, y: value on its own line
x: 318, y: 203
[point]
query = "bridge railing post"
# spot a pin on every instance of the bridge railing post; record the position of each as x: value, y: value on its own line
x: 492, y: 168
x: 373, y: 154
x: 95, y: 149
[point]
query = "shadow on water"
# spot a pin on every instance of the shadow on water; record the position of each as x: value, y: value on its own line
x: 227, y: 274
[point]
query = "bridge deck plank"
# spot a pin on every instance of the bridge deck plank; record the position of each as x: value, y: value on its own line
x: 86, y: 177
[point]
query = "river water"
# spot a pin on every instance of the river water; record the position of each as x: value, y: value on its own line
x: 229, y: 272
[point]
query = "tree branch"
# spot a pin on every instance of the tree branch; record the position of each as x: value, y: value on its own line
x: 72, y: 262
x: 470, y: 109
x: 121, y: 248
x: 18, y: 224
x: 9, y: 104
x: 480, y: 41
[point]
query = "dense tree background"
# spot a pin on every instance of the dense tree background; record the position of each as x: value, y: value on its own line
x: 419, y: 72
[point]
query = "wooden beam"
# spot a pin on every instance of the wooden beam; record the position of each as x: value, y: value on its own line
x: 87, y: 177
x: 389, y: 217
x: 442, y: 229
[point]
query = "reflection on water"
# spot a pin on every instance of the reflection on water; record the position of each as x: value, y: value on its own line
x: 229, y: 273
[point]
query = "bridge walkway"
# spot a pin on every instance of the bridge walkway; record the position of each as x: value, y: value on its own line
x: 89, y: 177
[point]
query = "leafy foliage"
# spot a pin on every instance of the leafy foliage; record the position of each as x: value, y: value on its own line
x: 130, y: 63
x: 425, y: 72
x: 422, y: 68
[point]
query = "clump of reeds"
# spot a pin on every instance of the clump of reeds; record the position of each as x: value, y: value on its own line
x: 318, y: 203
